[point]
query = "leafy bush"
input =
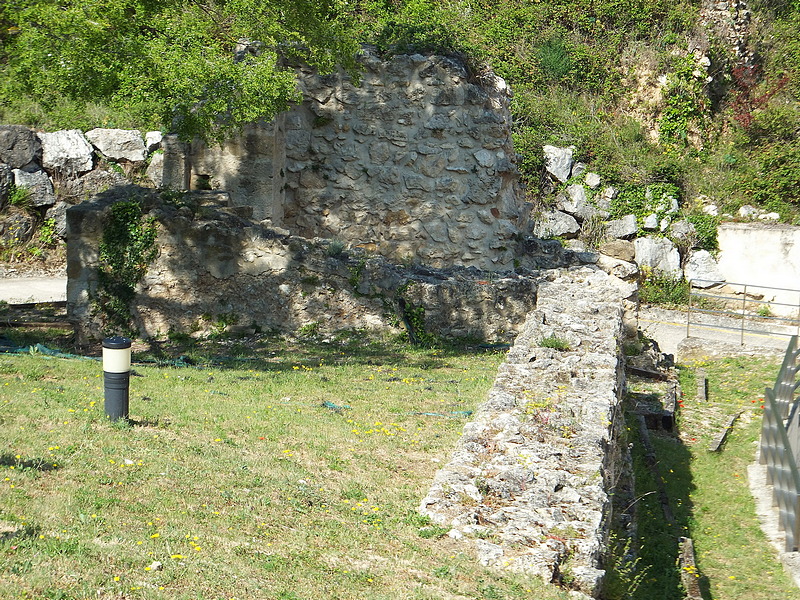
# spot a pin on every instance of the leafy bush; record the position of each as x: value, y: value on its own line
x: 661, y: 288
x: 706, y: 229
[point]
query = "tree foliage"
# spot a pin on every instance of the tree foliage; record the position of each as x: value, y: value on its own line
x: 167, y: 63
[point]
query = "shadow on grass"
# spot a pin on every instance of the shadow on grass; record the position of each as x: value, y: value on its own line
x: 658, y: 537
x: 36, y: 464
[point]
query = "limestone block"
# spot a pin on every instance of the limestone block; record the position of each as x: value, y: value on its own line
x: 39, y: 185
x: 658, y: 254
x: 155, y: 170
x: 576, y: 204
x: 650, y: 222
x: 124, y: 144
x: 616, y: 267
x: 592, y: 180
x: 555, y: 223
x: 66, y: 151
x: 622, y: 228
x: 682, y: 230
x: 702, y: 270
x: 558, y: 162
x: 619, y: 249
x: 152, y: 140
x: 18, y: 146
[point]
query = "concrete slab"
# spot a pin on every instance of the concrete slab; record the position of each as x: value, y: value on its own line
x: 33, y: 290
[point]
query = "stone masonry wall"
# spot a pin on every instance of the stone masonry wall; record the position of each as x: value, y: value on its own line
x: 214, y: 264
x: 415, y: 160
x: 529, y: 483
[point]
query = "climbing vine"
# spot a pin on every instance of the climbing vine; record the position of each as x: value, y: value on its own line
x: 685, y: 103
x: 126, y: 249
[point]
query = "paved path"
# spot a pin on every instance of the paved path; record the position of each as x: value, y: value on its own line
x: 668, y: 328
x: 29, y: 290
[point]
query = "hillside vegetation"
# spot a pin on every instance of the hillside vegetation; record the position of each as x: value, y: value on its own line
x: 647, y: 91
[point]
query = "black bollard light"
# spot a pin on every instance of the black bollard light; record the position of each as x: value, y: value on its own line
x: 116, y: 376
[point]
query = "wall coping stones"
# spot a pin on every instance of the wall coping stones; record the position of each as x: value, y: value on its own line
x: 533, y: 467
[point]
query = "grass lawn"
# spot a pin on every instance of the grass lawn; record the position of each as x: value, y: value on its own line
x: 266, y: 470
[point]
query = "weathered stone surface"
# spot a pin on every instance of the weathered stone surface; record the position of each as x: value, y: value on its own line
x: 16, y: 226
x: 702, y: 270
x: 124, y: 144
x: 152, y: 140
x: 18, y: 146
x: 514, y: 476
x: 650, y: 222
x: 58, y: 213
x: 592, y: 180
x: 558, y: 162
x: 6, y: 181
x: 622, y: 228
x: 220, y: 262
x: 555, y: 223
x: 683, y: 231
x: 619, y: 249
x: 616, y: 267
x: 576, y: 204
x: 658, y: 254
x: 66, y: 152
x: 155, y: 170
x: 39, y: 185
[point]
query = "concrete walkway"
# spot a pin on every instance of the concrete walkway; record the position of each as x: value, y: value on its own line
x: 33, y: 290
x: 668, y: 328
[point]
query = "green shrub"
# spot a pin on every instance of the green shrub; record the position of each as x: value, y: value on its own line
x: 706, y: 228
x: 661, y: 288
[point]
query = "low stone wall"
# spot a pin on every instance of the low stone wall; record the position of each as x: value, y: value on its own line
x: 216, y: 266
x: 530, y: 480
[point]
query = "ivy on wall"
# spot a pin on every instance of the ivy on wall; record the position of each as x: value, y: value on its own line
x: 125, y: 251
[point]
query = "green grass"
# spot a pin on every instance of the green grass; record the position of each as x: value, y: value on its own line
x: 709, y: 493
x: 273, y: 471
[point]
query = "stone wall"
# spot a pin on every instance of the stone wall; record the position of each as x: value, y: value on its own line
x: 414, y: 160
x: 529, y: 482
x: 216, y: 265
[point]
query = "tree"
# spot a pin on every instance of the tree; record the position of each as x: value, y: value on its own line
x: 168, y: 63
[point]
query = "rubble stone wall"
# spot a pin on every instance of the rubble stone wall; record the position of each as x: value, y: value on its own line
x: 529, y: 483
x: 215, y: 265
x: 414, y: 160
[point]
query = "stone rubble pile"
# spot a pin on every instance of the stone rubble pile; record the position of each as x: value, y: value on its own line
x: 529, y: 483
x: 584, y: 205
x: 62, y: 168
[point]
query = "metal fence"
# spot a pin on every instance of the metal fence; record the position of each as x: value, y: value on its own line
x: 721, y: 308
x: 780, y: 444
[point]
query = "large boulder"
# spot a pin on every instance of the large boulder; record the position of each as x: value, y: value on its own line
x: 576, y: 204
x: 619, y: 249
x: 119, y: 144
x: 622, y: 228
x: 66, y: 152
x: 555, y: 223
x: 19, y: 146
x: 702, y: 270
x: 78, y: 189
x: 558, y: 162
x: 38, y: 184
x: 658, y: 254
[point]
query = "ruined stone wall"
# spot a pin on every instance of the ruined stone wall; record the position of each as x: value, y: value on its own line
x: 530, y: 480
x: 215, y: 265
x: 415, y: 160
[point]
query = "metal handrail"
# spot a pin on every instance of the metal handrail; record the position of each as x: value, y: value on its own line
x: 741, y: 314
x: 780, y: 444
